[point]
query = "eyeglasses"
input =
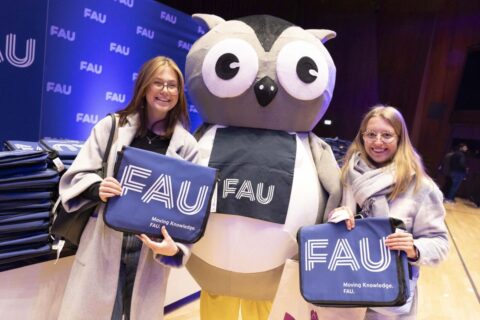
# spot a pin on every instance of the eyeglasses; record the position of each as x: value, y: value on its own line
x: 171, y: 87
x: 385, y: 137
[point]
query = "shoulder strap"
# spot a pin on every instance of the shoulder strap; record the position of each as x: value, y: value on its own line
x: 109, y: 144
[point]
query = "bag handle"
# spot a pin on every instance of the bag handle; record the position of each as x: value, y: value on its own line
x: 109, y: 145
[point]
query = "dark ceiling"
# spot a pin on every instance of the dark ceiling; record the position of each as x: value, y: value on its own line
x: 304, y: 13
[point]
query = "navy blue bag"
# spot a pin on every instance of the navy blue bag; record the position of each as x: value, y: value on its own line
x: 34, y: 237
x: 344, y: 268
x: 22, y: 195
x: 34, y: 225
x: 65, y: 149
x: 158, y: 190
x: 17, y: 253
x: 27, y: 216
x: 21, y: 145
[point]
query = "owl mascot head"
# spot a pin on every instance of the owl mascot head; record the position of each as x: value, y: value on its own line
x: 260, y: 84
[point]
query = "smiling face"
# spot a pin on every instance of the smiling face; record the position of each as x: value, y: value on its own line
x: 161, y: 94
x: 378, y: 141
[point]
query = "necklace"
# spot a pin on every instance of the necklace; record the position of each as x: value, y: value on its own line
x: 151, y: 139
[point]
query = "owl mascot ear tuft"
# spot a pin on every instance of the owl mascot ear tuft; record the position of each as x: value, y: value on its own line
x: 210, y: 20
x: 323, y: 34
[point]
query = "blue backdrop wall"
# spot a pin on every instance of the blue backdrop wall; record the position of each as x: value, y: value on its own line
x: 85, y: 60
x: 22, y: 46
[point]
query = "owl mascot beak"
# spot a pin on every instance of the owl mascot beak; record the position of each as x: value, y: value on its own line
x: 265, y: 90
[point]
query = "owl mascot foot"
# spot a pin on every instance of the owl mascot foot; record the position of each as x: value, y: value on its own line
x: 260, y: 84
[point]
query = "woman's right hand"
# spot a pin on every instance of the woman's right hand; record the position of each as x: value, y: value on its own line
x: 109, y: 187
x: 342, y: 214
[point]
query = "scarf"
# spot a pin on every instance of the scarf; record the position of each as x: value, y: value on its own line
x: 370, y: 186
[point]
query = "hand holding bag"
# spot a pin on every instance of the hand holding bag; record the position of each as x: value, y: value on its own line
x: 159, y: 190
x: 352, y: 268
x: 69, y: 225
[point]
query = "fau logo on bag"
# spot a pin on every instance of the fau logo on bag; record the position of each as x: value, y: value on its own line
x: 352, y: 268
x: 343, y: 255
x: 159, y: 190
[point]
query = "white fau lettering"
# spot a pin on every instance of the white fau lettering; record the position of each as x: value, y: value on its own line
x: 127, y: 3
x: 343, y: 255
x: 70, y: 147
x: 192, y: 108
x: 246, y: 191
x: 94, y: 15
x: 144, y: 32
x: 200, y: 30
x: 86, y: 118
x: 117, y: 48
x: 91, y: 67
x: 113, y: 96
x: 59, y: 88
x: 62, y: 33
x: 184, y: 45
x: 168, y: 17
x: 134, y: 76
x: 20, y: 146
x: 10, y: 52
x: 161, y: 190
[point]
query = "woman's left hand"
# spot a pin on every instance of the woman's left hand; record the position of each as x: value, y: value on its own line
x: 402, y: 241
x: 166, y: 247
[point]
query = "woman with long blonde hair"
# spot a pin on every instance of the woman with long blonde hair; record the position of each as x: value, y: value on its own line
x: 383, y: 176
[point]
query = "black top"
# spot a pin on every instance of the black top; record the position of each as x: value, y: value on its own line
x: 151, y: 142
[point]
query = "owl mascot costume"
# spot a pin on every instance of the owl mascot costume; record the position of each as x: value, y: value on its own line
x: 260, y: 84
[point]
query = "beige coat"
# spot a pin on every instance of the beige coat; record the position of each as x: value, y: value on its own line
x: 92, y: 285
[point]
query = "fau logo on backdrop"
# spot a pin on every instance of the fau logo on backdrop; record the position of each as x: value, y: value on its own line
x: 168, y: 17
x: 200, y: 30
x: 118, y: 48
x: 134, y: 76
x: 62, y: 33
x: 86, y: 118
x: 184, y: 45
x: 94, y: 15
x: 127, y: 3
x: 343, y: 255
x: 59, y: 88
x: 11, y: 52
x: 91, y: 67
x: 116, y: 97
x: 144, y: 32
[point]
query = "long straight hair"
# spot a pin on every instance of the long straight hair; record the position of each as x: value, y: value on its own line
x: 138, y: 103
x: 407, y: 162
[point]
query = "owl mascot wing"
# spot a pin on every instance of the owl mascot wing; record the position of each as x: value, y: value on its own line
x: 261, y: 84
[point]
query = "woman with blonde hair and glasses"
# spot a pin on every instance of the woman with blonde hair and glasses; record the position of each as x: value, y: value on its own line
x: 383, y: 176
x: 119, y: 275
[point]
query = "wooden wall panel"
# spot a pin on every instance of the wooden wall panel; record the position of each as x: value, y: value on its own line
x: 457, y: 28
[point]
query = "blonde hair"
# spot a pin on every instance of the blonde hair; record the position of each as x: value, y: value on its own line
x: 138, y: 102
x: 408, y: 164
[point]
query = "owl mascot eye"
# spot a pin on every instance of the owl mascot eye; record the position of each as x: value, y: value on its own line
x: 260, y: 84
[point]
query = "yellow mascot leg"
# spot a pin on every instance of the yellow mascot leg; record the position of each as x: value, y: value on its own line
x: 213, y: 307
x: 256, y: 309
